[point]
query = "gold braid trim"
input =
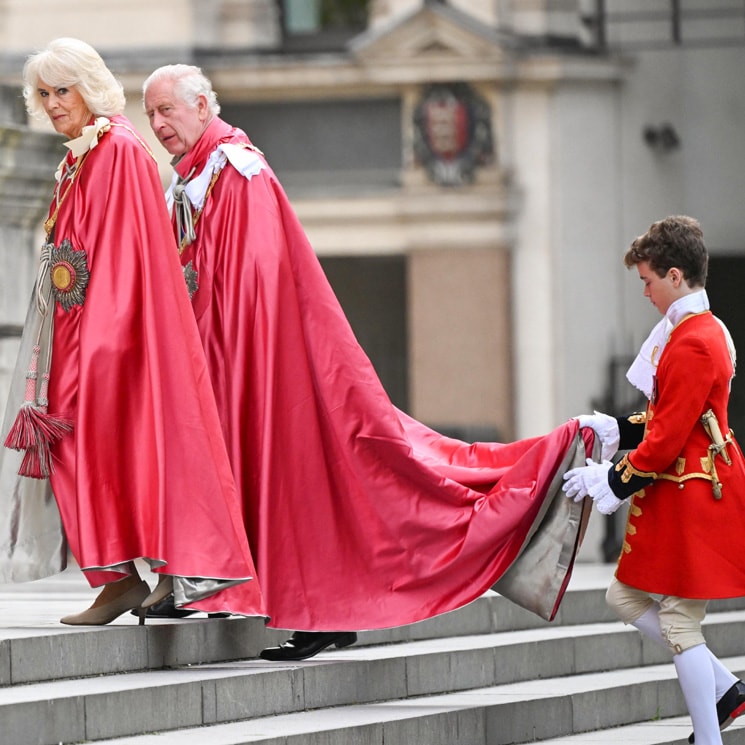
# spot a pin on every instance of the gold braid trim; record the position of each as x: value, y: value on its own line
x: 624, y: 465
x: 61, y: 196
x: 137, y: 137
x: 629, y: 471
x: 216, y: 175
x: 687, y: 477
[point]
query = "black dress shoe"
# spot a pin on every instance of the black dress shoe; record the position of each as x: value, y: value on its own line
x: 729, y: 707
x: 304, y: 644
x: 166, y: 608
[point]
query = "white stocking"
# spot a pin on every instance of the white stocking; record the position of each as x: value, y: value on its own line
x: 649, y: 624
x: 696, y: 678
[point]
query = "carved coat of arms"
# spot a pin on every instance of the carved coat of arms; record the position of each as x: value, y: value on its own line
x: 452, y: 133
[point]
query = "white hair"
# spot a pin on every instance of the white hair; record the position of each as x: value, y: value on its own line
x: 67, y: 63
x: 189, y: 84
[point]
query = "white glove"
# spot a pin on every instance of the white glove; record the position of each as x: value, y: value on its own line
x: 580, y: 482
x: 606, y: 428
x: 592, y: 481
x: 608, y: 503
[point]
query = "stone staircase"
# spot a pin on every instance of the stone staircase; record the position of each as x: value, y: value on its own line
x: 488, y: 674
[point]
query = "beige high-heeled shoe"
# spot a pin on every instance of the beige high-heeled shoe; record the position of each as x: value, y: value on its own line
x: 162, y: 590
x: 99, y: 615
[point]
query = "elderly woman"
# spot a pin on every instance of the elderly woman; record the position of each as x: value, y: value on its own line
x: 127, y: 435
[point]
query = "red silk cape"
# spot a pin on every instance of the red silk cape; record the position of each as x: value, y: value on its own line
x: 359, y: 516
x: 144, y: 472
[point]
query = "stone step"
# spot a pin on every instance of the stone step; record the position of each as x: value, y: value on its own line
x: 613, y: 706
x: 35, y: 647
x: 487, y: 668
x: 673, y: 731
x: 408, y: 676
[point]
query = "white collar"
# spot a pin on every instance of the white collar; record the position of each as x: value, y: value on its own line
x: 245, y: 160
x: 696, y: 302
x: 642, y: 371
x: 89, y: 136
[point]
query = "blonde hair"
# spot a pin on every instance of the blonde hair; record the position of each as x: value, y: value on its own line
x: 67, y: 63
x: 189, y: 83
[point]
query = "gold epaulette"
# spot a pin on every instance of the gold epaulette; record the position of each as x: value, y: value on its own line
x: 628, y: 471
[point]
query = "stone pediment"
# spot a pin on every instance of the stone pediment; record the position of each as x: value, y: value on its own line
x: 434, y: 34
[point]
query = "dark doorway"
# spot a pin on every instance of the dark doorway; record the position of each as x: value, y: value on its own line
x: 372, y: 292
x: 725, y: 289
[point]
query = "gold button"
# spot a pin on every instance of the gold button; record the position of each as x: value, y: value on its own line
x: 63, y: 276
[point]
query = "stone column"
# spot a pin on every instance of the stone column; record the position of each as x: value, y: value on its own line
x: 28, y: 160
x: 236, y: 24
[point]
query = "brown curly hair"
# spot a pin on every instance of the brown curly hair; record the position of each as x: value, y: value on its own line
x: 675, y: 241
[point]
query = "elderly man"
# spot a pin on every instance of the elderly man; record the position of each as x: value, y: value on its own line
x: 359, y: 516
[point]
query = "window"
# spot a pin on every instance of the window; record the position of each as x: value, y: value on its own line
x: 321, y: 24
x: 326, y: 146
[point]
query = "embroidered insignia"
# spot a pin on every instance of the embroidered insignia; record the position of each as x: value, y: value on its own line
x: 69, y: 273
x: 705, y: 465
x: 190, y: 276
x: 680, y: 466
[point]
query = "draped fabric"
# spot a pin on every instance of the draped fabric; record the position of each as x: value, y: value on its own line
x: 359, y: 516
x: 144, y: 473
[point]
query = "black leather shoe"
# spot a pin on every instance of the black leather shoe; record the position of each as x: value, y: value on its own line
x: 166, y: 608
x: 729, y: 707
x: 304, y: 644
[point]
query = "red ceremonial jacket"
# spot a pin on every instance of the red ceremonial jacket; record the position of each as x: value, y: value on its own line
x: 680, y: 538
